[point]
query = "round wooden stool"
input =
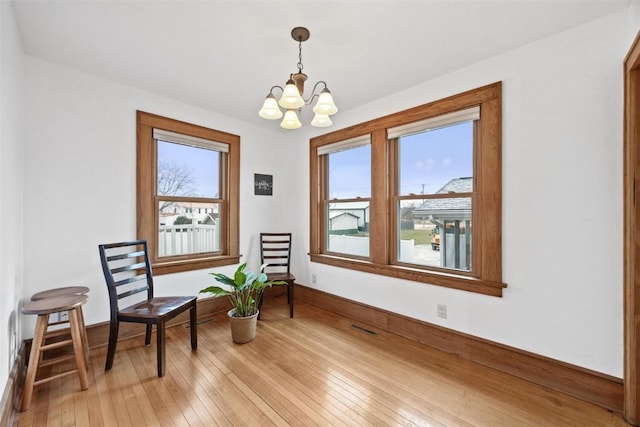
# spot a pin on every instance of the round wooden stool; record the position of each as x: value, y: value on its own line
x: 67, y: 290
x: 43, y: 308
x: 56, y: 292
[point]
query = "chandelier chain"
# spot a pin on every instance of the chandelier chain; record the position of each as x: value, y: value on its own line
x: 300, y: 66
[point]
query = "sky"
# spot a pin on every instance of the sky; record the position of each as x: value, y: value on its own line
x: 198, y: 161
x: 428, y: 160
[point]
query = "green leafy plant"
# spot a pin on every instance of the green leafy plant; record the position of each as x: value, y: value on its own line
x: 244, y: 289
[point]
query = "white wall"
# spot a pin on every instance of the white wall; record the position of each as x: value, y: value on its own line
x: 634, y: 21
x: 11, y: 191
x: 80, y: 180
x: 562, y: 203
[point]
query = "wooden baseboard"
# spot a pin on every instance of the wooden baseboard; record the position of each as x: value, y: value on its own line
x: 584, y: 384
x: 11, y: 393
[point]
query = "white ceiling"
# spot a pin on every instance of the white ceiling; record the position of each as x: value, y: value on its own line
x: 225, y: 55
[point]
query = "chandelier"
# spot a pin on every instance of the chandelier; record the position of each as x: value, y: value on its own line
x: 292, y: 95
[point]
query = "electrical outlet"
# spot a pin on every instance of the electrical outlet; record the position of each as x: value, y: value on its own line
x: 314, y: 279
x: 63, y: 316
x: 442, y: 311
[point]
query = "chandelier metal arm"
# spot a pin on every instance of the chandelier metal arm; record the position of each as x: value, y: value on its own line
x: 276, y: 86
x: 315, y: 95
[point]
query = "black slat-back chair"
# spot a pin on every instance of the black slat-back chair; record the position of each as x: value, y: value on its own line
x: 275, y: 250
x: 127, y: 271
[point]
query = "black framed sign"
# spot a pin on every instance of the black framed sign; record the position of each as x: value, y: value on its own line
x: 263, y: 184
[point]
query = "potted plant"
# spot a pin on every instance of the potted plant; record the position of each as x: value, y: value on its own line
x: 244, y: 291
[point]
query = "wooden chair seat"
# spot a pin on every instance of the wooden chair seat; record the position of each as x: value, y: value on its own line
x: 167, y: 307
x: 287, y: 277
x: 127, y: 271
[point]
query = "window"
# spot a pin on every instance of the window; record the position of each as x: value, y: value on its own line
x: 414, y: 195
x: 435, y: 190
x: 349, y: 192
x: 188, y: 185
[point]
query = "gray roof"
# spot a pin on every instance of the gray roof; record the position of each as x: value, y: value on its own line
x: 449, y: 208
x: 457, y: 185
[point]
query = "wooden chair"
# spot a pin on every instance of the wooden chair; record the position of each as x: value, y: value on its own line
x: 275, y: 250
x: 127, y: 272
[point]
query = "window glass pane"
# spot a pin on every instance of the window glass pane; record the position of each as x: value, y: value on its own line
x: 187, y: 171
x: 188, y: 228
x: 348, y: 228
x: 350, y: 173
x: 431, y: 159
x: 435, y: 232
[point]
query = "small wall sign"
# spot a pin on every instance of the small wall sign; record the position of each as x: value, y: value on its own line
x: 263, y: 184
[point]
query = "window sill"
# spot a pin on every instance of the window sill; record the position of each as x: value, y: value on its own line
x: 464, y: 283
x: 167, y: 267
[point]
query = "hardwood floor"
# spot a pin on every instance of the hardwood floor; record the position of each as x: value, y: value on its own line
x: 315, y: 369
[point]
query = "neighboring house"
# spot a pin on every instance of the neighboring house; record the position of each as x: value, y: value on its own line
x: 199, y: 213
x: 343, y: 223
x: 358, y: 209
x: 453, y: 217
x: 437, y: 210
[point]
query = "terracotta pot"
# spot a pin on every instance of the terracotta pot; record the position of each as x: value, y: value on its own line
x: 243, y: 329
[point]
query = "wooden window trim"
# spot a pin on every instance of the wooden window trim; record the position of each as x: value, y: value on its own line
x: 147, y: 217
x: 486, y: 276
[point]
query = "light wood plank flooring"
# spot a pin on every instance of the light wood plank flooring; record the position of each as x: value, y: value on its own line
x: 315, y: 369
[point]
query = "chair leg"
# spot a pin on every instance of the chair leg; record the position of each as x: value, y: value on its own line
x: 260, y: 304
x: 113, y: 342
x: 160, y: 349
x: 291, y: 298
x: 147, y: 335
x: 193, y: 326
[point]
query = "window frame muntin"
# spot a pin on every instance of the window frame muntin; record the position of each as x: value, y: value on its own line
x: 487, y: 276
x: 147, y: 216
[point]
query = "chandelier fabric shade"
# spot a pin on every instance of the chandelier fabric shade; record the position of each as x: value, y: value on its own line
x: 292, y: 96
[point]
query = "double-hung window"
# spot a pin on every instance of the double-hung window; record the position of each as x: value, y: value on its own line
x: 347, y: 204
x: 414, y: 195
x: 434, y: 190
x: 187, y: 194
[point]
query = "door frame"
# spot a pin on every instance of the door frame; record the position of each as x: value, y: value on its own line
x: 631, y: 212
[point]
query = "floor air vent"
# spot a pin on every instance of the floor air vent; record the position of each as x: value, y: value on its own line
x: 365, y: 330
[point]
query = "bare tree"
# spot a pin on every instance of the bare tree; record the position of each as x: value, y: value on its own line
x: 174, y: 179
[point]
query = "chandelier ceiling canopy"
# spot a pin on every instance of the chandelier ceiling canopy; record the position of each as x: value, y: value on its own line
x: 292, y: 98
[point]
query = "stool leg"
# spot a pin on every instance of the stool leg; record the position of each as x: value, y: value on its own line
x: 83, y: 331
x: 78, y: 348
x: 34, y: 360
